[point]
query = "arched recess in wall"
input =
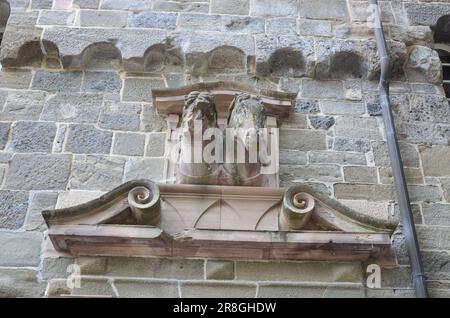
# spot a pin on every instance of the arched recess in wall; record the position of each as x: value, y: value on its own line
x: 35, y: 53
x: 97, y: 56
x: 161, y: 57
x: 287, y: 62
x: 5, y: 11
x: 442, y: 46
x: 221, y: 60
x: 342, y: 64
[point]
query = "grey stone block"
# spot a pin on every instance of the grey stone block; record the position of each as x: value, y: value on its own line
x: 148, y: 168
x: 445, y: 184
x: 23, y: 18
x: 2, y: 173
x: 321, y: 122
x: 21, y: 249
x: 204, y: 42
x: 73, y: 107
x: 96, y: 82
x: 155, y: 268
x: 302, y: 139
x: 129, y: 144
x: 429, y: 108
x: 56, y: 267
x: 120, y: 116
x: 4, y: 134
x: 279, y: 290
x: 156, y: 145
x: 140, y: 89
x: 86, y: 4
x: 412, y: 175
x: 281, y: 26
x: 342, y: 158
x: 359, y: 11
x: 423, y: 65
x: 96, y: 172
x: 360, y: 174
x: 155, y: 20
x: 424, y: 13
x: 20, y: 283
x: 41, y: 4
x: 94, y: 18
x: 48, y: 17
x: 322, y: 89
x: 342, y: 108
x: 15, y: 78
x: 23, y: 105
x: 240, y: 7
x: 269, y: 8
x: 219, y: 270
x: 38, y: 172
x: 357, y: 127
x: 292, y: 157
x: 170, y: 6
x: 350, y: 144
x: 40, y: 201
x: 308, y: 106
x: 436, y: 214
x: 217, y: 290
x: 436, y: 264
x: 410, y: 156
x: 315, y: 9
x: 433, y: 237
x: 13, y: 207
x: 94, y: 286
x: 127, y: 5
x: 29, y: 136
x: 305, y: 271
x: 296, y: 120
x: 57, y: 81
x: 146, y: 289
x: 151, y: 121
x: 221, y: 23
x: 320, y: 172
x: 371, y: 192
x: 315, y: 28
x: 427, y: 193
x: 87, y: 139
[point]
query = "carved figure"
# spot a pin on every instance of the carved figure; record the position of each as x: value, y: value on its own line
x: 199, y: 115
x: 246, y: 120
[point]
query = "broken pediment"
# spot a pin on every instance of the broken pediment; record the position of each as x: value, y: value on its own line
x: 141, y: 218
x: 221, y: 208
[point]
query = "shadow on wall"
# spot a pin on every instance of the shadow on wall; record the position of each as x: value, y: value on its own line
x: 342, y: 64
x: 223, y: 59
x: 283, y: 62
x: 442, y: 30
x: 5, y: 11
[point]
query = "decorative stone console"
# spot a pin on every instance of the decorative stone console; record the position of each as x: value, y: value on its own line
x: 218, y: 209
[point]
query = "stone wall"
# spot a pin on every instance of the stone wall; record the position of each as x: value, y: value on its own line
x: 76, y: 120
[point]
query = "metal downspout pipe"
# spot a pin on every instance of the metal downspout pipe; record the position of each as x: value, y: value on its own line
x: 406, y: 215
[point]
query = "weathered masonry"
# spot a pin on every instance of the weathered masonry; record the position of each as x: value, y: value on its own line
x: 92, y: 93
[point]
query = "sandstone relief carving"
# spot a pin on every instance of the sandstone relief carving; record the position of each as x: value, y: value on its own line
x: 219, y: 222
x: 199, y: 115
x: 246, y: 121
x: 217, y: 206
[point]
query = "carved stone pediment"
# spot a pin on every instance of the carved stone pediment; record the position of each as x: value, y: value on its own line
x: 220, y: 209
x: 141, y: 218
